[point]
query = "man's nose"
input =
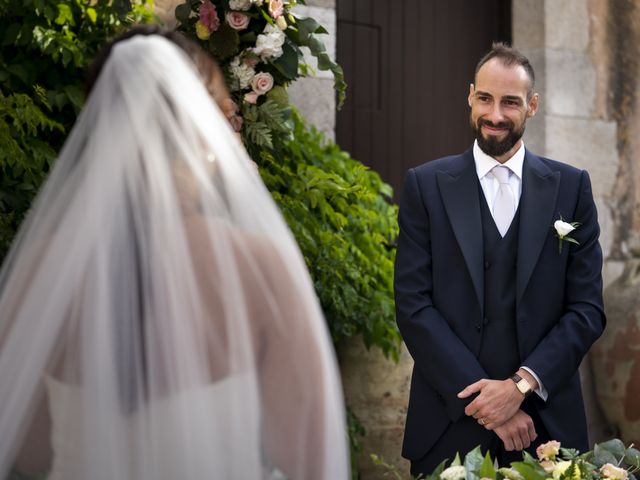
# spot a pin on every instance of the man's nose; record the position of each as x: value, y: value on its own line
x: 495, y: 115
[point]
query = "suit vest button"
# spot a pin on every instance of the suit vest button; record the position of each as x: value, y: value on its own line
x: 478, y: 326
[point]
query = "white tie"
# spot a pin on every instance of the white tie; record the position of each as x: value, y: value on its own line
x: 503, y: 203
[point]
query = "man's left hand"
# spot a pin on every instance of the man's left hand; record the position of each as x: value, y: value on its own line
x: 497, y: 402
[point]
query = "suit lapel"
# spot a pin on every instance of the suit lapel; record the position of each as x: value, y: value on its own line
x: 537, y: 203
x: 459, y: 192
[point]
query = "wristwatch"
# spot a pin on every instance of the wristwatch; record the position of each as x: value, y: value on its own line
x: 522, y: 384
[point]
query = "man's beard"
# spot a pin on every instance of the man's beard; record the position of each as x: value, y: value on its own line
x: 491, y: 145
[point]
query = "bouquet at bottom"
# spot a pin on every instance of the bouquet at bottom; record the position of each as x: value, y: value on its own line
x: 610, y: 460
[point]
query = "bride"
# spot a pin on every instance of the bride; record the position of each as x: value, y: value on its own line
x: 156, y: 318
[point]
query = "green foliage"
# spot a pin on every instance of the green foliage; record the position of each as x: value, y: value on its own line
x: 339, y: 213
x: 45, y: 48
x: 356, y: 431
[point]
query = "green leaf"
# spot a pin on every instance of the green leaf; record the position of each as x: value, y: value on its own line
x: 65, y: 15
x: 487, y: 470
x: 182, y: 12
x: 472, y: 462
x: 632, y: 457
x: 456, y: 461
x: 528, y: 471
x: 91, y: 13
x: 287, y: 63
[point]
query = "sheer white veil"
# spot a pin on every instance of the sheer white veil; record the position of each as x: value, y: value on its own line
x: 156, y: 317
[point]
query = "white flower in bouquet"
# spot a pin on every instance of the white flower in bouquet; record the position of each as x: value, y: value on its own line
x: 257, y: 2
x: 454, y: 473
x: 612, y: 472
x: 510, y: 473
x: 269, y: 43
x: 240, y: 4
x: 241, y: 71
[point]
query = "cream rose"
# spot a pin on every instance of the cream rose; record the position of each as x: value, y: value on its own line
x: 563, y: 228
x: 237, y: 20
x: 262, y: 83
x: 612, y: 472
x: 251, y: 97
x: 549, y: 450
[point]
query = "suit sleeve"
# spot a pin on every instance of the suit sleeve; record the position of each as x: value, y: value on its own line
x: 558, y: 356
x: 440, y: 356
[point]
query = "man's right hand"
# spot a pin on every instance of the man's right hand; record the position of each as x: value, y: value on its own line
x: 517, y: 433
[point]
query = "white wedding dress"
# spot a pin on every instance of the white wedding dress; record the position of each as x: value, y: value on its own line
x: 177, y: 460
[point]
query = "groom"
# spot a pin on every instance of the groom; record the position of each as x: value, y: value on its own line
x: 496, y: 310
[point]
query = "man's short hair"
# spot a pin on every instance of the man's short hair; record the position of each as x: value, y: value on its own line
x: 509, y: 57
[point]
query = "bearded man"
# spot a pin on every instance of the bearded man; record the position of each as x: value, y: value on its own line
x: 497, y: 300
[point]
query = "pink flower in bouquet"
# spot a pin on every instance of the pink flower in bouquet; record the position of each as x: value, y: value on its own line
x: 276, y: 8
x: 209, y: 16
x: 237, y: 20
x: 548, y: 451
x: 262, y: 83
x: 251, y: 97
x: 251, y: 61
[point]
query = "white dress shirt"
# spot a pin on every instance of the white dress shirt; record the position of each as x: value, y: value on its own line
x: 484, y: 164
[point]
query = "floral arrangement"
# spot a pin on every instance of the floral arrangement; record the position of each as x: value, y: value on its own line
x: 258, y: 44
x: 610, y: 460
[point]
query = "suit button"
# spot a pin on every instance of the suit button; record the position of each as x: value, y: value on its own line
x: 485, y: 321
x: 478, y: 326
x: 487, y: 265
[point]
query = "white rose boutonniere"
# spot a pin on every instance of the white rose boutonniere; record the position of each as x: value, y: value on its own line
x: 563, y: 229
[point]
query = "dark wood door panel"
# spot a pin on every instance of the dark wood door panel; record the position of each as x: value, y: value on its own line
x: 408, y: 64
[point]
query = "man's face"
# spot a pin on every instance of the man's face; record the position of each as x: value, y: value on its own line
x: 499, y: 107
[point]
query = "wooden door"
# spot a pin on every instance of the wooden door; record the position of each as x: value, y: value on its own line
x: 408, y: 64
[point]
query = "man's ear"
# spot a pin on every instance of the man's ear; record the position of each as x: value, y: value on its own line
x: 472, y: 90
x: 532, y: 106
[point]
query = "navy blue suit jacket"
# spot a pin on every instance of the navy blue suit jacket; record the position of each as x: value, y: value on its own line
x: 439, y: 291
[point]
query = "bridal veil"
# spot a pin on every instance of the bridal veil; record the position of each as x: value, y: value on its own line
x: 156, y: 317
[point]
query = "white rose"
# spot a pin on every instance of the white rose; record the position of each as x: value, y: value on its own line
x: 454, y: 473
x: 257, y: 2
x: 563, y: 228
x: 269, y: 43
x: 614, y: 473
x: 262, y: 83
x: 240, y: 4
x: 242, y: 72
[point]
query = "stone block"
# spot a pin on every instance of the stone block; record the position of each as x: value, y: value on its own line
x: 588, y: 144
x: 605, y: 219
x: 528, y: 22
x: 534, y: 135
x: 570, y: 84
x: 322, y: 3
x: 567, y: 24
x: 315, y: 97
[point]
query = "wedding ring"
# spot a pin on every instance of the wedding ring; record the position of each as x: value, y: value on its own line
x: 481, y: 421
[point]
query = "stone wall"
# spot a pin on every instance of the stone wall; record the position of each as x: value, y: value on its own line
x: 570, y: 45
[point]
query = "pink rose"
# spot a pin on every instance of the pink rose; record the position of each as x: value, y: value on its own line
x: 209, y: 16
x: 276, y: 8
x: 237, y: 20
x: 251, y: 97
x: 262, y: 83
